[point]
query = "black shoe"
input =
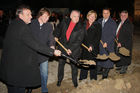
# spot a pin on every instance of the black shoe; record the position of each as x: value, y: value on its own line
x: 75, y: 85
x: 29, y: 91
x: 123, y: 70
x: 105, y: 73
x: 44, y: 92
x: 118, y: 68
x: 58, y: 83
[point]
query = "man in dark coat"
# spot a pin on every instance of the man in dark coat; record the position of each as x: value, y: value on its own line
x: 108, y: 35
x: 124, y: 35
x: 19, y: 66
x: 70, y: 33
x: 42, y: 30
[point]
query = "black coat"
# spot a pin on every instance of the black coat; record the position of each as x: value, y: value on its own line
x: 44, y: 35
x: 75, y: 40
x: 125, y: 38
x: 19, y: 66
x: 92, y: 38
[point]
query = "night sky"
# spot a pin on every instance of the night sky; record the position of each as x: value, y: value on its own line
x: 83, y: 5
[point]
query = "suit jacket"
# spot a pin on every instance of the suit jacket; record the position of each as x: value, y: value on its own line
x: 75, y: 39
x: 92, y: 38
x: 44, y: 35
x: 19, y: 66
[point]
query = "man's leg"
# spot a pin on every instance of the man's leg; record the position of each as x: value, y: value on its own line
x: 44, y: 76
x: 60, y: 71
x: 74, y: 74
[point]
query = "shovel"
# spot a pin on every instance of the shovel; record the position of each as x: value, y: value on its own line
x: 122, y: 50
x: 112, y: 55
x: 70, y: 58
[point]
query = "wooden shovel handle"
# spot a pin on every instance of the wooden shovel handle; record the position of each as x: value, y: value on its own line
x: 61, y: 45
x: 101, y: 42
x: 116, y: 41
x: 84, y: 46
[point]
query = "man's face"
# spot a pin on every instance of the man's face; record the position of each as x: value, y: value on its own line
x: 106, y: 14
x: 75, y: 16
x: 45, y: 17
x: 123, y: 16
x: 26, y: 16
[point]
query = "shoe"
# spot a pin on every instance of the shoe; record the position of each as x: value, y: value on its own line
x: 75, y: 85
x: 44, y: 92
x: 105, y: 73
x: 123, y: 70
x: 118, y: 68
x: 58, y: 83
x: 29, y: 91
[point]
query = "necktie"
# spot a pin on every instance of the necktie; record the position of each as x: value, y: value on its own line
x: 119, y: 31
x: 103, y: 23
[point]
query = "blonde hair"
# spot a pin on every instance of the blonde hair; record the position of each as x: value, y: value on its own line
x: 91, y: 12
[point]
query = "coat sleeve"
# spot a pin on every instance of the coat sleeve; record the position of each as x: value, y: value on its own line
x: 51, y: 37
x: 128, y: 33
x: 28, y: 39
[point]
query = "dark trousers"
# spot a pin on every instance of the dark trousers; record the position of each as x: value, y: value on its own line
x: 13, y: 89
x: 84, y: 73
x: 61, y: 71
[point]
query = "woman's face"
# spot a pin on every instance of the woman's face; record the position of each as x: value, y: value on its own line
x: 91, y: 18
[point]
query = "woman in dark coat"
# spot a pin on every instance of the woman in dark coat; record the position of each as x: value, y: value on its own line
x: 19, y: 66
x: 92, y: 40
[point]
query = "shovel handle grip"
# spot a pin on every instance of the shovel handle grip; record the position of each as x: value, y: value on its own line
x: 116, y: 41
x: 101, y: 42
x: 61, y: 45
x: 84, y: 46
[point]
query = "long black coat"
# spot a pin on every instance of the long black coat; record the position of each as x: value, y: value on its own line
x: 92, y: 38
x: 19, y: 66
x: 75, y: 40
x: 125, y: 38
x: 44, y: 35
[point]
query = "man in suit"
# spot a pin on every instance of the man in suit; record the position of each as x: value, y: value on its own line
x: 70, y: 33
x: 42, y: 30
x: 19, y: 66
x: 108, y: 35
x: 124, y: 35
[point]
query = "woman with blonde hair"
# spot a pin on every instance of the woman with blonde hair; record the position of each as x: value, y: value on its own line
x: 92, y: 40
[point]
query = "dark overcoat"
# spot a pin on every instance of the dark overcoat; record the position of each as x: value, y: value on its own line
x: 44, y: 35
x: 108, y: 36
x: 125, y: 38
x: 75, y: 40
x: 19, y: 66
x: 92, y: 38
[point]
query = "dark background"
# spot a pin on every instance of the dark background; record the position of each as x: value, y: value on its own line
x: 83, y: 5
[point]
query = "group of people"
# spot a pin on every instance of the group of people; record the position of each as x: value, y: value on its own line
x: 29, y: 44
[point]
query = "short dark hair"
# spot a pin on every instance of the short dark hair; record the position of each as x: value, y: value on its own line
x: 124, y: 11
x: 21, y: 8
x: 107, y: 8
x: 42, y: 11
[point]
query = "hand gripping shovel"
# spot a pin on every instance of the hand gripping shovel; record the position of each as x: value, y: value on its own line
x: 112, y: 55
x: 70, y: 58
x: 122, y: 50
